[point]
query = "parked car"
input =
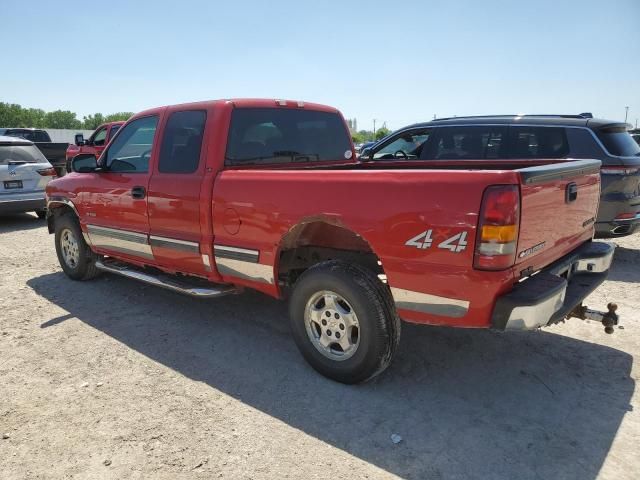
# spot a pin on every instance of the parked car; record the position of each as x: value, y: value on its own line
x: 95, y: 144
x: 24, y: 174
x: 54, y: 152
x: 209, y: 198
x: 522, y: 139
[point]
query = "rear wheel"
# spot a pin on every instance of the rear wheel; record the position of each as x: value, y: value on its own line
x: 75, y: 257
x: 344, y: 322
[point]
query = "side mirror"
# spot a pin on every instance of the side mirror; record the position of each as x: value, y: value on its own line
x: 365, y: 153
x: 79, y: 139
x: 84, y: 163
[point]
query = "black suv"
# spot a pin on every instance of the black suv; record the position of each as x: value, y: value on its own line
x: 521, y: 137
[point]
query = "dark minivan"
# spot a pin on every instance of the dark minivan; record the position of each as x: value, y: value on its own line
x: 519, y: 138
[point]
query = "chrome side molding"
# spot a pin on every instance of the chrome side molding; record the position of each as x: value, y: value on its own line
x: 164, y: 281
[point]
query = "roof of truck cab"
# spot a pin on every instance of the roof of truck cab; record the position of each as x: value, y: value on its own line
x: 556, y: 120
x: 245, y: 103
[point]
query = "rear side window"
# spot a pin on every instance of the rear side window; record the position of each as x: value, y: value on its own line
x: 467, y: 143
x: 41, y: 136
x: 272, y: 135
x: 20, y: 153
x: 538, y: 142
x: 113, y: 131
x: 182, y: 142
x: 619, y: 142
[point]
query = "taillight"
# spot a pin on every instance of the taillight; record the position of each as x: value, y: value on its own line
x: 497, y: 236
x: 47, y: 172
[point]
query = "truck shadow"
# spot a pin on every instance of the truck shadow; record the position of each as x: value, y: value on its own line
x: 468, y: 404
x: 14, y: 222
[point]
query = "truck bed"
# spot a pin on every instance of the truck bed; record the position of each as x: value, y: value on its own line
x: 387, y: 207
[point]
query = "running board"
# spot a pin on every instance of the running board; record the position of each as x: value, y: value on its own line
x: 164, y: 281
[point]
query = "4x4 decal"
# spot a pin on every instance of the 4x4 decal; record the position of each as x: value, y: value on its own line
x: 456, y: 243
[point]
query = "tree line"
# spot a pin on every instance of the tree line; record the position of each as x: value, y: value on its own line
x: 14, y: 115
x: 368, y: 136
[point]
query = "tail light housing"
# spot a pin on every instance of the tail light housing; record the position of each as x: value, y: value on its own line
x: 47, y: 172
x: 498, y: 225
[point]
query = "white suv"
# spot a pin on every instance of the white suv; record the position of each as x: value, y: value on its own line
x: 24, y: 174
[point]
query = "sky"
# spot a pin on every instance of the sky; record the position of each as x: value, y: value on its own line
x: 397, y: 62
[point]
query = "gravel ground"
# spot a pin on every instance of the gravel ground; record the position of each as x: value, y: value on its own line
x: 114, y: 379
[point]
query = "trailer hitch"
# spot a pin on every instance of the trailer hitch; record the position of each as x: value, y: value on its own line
x: 608, y: 319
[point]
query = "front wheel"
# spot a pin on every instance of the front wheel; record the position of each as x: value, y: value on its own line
x: 75, y: 257
x: 344, y: 322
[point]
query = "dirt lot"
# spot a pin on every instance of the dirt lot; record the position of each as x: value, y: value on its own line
x: 113, y: 379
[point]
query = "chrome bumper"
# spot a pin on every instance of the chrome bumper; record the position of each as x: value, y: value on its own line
x: 550, y: 295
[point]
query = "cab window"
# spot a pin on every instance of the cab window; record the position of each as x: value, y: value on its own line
x: 131, y: 149
x: 113, y: 131
x: 182, y: 142
x: 286, y: 135
x: 408, y: 145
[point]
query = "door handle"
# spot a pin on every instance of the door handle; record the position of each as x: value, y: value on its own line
x: 138, y: 192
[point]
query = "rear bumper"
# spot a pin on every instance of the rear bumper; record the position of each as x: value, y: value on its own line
x: 550, y: 295
x: 22, y: 202
x: 617, y: 228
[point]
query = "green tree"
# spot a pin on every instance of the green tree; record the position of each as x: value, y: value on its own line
x: 91, y: 122
x: 382, y: 132
x: 61, y: 119
x: 119, y: 116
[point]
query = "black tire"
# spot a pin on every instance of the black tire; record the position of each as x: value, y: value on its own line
x: 85, y: 266
x: 369, y: 299
x: 42, y: 214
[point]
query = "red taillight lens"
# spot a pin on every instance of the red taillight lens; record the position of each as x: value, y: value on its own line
x: 625, y: 216
x: 498, y: 228
x: 47, y: 172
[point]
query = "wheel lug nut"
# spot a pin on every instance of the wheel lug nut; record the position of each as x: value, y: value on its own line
x: 336, y: 316
x: 342, y: 326
x: 324, y: 322
x: 337, y: 334
x: 327, y: 313
x: 329, y: 332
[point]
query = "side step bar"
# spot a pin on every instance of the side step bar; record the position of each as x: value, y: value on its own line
x: 164, y: 281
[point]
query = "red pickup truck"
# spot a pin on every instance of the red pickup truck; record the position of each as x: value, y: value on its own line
x: 96, y: 143
x: 209, y: 198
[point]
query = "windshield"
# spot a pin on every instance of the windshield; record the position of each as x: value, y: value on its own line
x: 272, y: 135
x: 618, y: 142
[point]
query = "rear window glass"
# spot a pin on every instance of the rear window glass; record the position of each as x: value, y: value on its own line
x: 20, y: 153
x: 272, y: 135
x: 619, y: 142
x: 538, y: 142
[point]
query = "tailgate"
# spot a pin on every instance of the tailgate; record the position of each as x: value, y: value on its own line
x: 559, y: 204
